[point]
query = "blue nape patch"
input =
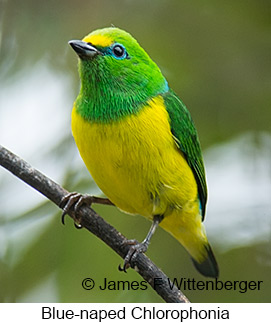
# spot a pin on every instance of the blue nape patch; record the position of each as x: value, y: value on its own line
x: 166, y: 87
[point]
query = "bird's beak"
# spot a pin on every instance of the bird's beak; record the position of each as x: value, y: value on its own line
x: 84, y: 50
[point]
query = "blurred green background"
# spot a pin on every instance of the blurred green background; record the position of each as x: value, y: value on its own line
x: 216, y: 56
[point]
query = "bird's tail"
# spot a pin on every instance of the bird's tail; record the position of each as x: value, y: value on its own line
x: 189, y: 231
x: 208, y: 267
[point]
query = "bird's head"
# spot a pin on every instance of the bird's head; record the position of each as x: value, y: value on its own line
x: 113, y: 64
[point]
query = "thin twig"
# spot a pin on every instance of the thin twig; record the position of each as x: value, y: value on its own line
x: 90, y: 220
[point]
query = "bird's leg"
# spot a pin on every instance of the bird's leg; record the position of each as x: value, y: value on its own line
x: 75, y: 200
x: 142, y: 247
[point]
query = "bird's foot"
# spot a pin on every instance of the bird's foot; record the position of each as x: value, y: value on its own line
x: 74, y: 201
x: 135, y: 249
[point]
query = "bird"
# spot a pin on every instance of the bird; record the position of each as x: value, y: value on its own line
x: 139, y: 143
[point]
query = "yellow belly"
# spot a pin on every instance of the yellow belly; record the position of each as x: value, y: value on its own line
x: 139, y: 167
x: 136, y: 162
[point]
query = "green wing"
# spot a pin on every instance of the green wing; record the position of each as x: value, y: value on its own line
x: 186, y: 137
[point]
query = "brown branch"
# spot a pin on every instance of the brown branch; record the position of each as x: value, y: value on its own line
x: 90, y: 220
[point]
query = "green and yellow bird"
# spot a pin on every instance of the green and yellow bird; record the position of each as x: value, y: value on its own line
x: 139, y: 142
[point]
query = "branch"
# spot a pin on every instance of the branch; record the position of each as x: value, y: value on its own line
x: 90, y: 220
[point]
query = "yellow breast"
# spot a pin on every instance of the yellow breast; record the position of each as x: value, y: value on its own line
x: 136, y: 162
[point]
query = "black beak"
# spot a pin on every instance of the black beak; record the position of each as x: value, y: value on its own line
x: 84, y: 50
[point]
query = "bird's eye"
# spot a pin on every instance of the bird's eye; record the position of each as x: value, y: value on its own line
x: 119, y: 51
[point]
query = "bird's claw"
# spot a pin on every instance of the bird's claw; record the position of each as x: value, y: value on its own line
x: 74, y: 200
x: 135, y: 249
